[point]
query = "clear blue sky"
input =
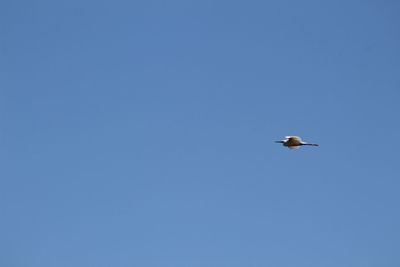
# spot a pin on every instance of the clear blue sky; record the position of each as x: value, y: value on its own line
x: 140, y: 133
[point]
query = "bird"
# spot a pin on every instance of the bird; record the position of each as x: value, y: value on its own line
x: 294, y: 142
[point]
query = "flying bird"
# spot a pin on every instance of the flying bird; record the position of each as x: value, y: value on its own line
x: 294, y: 142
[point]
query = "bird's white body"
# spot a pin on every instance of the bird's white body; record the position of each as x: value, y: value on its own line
x: 294, y: 142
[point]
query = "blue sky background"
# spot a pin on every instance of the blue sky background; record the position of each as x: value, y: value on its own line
x: 140, y: 133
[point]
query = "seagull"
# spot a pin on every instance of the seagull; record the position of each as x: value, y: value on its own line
x: 294, y: 142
